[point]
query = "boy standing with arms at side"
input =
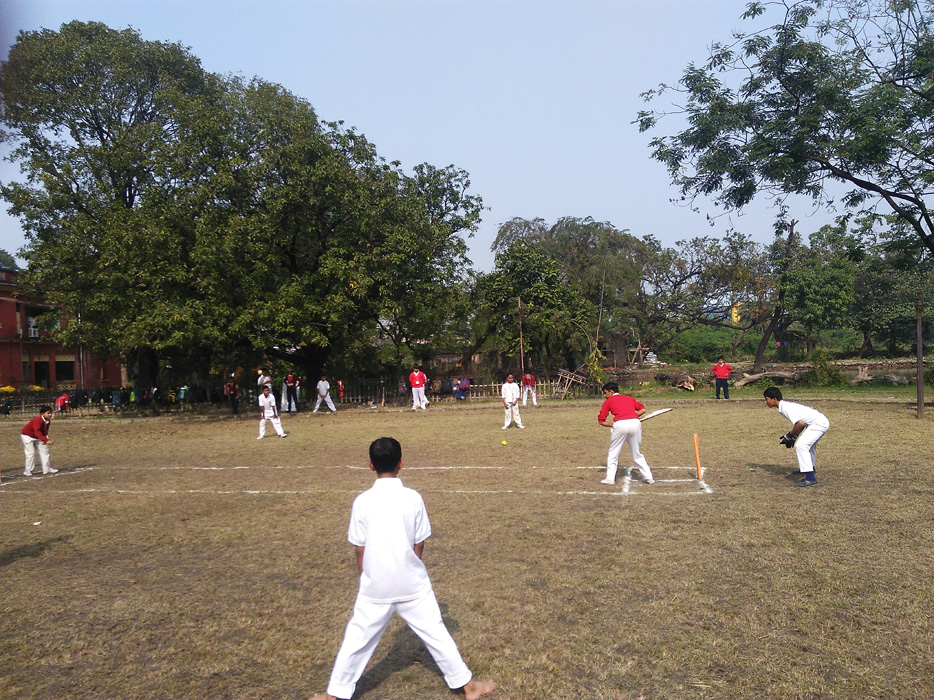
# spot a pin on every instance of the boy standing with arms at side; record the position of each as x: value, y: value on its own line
x: 721, y: 372
x: 388, y: 528
x: 510, y: 394
x: 35, y: 437
x: 809, y: 426
x: 268, y: 411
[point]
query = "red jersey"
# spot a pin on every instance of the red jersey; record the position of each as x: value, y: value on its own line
x: 37, y: 428
x: 528, y: 380
x: 417, y: 379
x: 621, y: 406
x: 721, y: 371
x: 292, y: 381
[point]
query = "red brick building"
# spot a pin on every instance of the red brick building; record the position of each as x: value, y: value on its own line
x: 29, y: 356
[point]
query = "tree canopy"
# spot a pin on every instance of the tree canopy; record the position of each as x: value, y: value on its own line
x: 835, y: 91
x: 171, y: 211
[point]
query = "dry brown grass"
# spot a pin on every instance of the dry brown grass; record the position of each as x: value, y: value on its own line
x: 153, y: 577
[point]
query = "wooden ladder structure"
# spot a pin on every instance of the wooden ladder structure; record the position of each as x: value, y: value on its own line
x: 566, y: 380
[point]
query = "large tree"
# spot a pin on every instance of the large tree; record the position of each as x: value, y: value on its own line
x: 112, y: 133
x: 171, y: 213
x: 835, y: 92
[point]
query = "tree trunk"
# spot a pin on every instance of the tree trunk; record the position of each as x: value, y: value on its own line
x: 866, y: 346
x: 780, y: 302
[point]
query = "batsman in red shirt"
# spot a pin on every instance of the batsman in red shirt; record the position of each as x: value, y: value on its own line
x: 625, y: 427
x: 721, y: 371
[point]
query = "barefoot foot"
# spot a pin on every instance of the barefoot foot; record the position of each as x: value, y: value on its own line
x: 477, y: 689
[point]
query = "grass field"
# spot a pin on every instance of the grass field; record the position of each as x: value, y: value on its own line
x: 182, y: 558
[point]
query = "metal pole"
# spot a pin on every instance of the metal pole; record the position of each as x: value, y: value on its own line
x: 521, y: 343
x: 919, y: 307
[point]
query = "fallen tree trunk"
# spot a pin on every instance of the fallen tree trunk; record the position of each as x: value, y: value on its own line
x: 862, y: 376
x: 750, y: 378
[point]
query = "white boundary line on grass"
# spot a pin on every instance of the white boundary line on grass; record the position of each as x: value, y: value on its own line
x: 298, y: 466
x: 625, y: 490
x: 270, y: 492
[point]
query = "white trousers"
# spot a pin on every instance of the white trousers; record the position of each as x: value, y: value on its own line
x: 32, y: 445
x: 418, y: 398
x: 327, y: 400
x: 525, y: 395
x: 512, y: 414
x: 630, y: 431
x: 276, y: 423
x: 806, y: 445
x: 366, y: 627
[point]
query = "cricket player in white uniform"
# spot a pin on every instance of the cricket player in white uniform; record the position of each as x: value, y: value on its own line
x: 808, y: 426
x: 324, y: 394
x: 510, y: 394
x: 268, y: 411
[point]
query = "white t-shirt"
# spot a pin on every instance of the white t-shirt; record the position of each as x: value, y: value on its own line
x: 796, y: 411
x: 268, y: 404
x: 388, y: 520
x: 510, y: 392
x: 323, y: 388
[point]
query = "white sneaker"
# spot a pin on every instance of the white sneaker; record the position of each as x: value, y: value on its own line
x: 505, y: 427
x: 284, y: 435
x: 51, y: 471
x: 609, y: 482
x: 25, y: 473
x: 260, y: 437
x: 647, y: 481
x: 521, y: 427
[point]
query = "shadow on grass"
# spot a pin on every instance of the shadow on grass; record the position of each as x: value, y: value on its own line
x: 407, y: 649
x: 17, y: 472
x: 29, y: 550
x: 774, y: 470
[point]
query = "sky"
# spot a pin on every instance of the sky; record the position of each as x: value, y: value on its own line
x: 535, y: 99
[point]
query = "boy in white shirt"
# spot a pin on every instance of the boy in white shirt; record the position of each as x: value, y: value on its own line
x: 268, y: 411
x: 324, y: 394
x: 808, y: 426
x: 388, y: 528
x: 510, y: 394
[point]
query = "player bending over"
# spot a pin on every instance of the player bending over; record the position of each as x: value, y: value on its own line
x: 626, y: 428
x: 388, y: 529
x: 809, y: 426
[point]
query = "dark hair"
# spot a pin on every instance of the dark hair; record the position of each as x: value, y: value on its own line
x: 773, y: 392
x: 720, y: 358
x: 265, y: 387
x: 385, y: 454
x: 45, y: 409
x: 611, y: 386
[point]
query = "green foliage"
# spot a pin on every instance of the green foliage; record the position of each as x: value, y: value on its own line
x: 593, y: 367
x: 821, y: 373
x: 835, y: 91
x: 7, y: 261
x: 173, y: 213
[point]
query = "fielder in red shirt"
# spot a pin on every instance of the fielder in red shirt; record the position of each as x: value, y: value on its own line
x: 418, y: 380
x: 35, y: 437
x: 626, y: 427
x: 721, y: 371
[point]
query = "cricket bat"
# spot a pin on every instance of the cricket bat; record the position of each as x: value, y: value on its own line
x: 654, y: 413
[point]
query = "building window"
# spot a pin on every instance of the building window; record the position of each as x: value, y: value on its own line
x: 65, y: 371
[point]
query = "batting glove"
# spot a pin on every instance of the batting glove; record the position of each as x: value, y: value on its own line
x: 787, y: 440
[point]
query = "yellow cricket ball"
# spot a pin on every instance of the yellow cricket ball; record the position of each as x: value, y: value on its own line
x: 504, y: 442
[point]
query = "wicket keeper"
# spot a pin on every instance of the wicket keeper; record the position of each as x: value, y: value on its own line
x: 808, y: 426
